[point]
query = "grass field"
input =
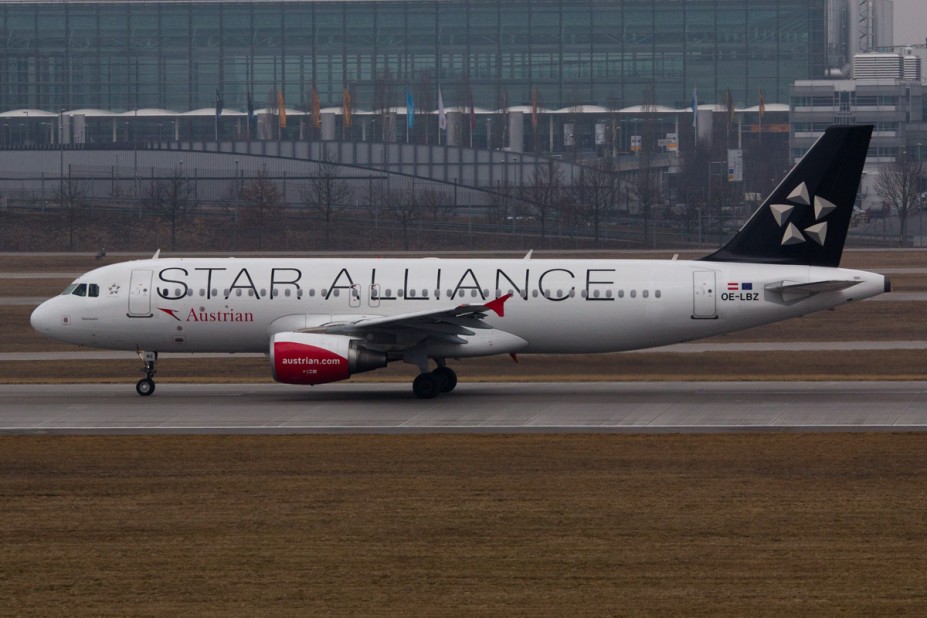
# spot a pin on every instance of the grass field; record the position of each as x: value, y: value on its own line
x: 737, y: 525
x: 527, y: 525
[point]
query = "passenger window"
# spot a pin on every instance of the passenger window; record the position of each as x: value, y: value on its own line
x: 645, y: 293
x: 657, y: 294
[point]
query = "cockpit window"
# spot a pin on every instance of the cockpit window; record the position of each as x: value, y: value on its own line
x: 82, y: 289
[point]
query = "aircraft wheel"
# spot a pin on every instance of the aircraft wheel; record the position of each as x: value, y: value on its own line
x: 145, y: 387
x: 426, y: 386
x: 447, y: 378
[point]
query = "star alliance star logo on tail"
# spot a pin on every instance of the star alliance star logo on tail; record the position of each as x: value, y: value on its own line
x: 798, y: 198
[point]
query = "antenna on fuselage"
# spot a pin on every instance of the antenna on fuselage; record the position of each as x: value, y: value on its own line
x: 156, y: 255
x: 528, y: 255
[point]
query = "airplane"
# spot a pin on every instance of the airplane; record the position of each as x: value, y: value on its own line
x: 324, y: 320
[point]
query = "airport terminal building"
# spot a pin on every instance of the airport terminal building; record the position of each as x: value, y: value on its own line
x: 462, y: 96
x: 178, y: 55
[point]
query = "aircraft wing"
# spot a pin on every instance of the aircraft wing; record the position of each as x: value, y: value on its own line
x: 449, y: 325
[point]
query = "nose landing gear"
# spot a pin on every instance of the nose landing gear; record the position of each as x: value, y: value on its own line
x: 146, y: 386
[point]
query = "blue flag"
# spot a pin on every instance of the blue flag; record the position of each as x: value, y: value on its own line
x: 410, y: 110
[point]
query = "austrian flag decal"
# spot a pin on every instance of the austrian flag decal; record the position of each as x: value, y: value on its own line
x: 739, y: 287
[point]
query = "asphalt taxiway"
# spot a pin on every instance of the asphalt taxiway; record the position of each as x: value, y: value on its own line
x: 550, y: 407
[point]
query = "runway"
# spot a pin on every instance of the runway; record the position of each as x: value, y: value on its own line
x: 550, y: 407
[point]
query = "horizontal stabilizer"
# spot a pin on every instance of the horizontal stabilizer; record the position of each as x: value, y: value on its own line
x: 789, y: 293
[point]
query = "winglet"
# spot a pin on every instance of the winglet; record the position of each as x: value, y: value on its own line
x: 498, y: 305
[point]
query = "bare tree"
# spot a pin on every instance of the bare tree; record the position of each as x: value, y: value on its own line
x: 433, y: 204
x: 646, y: 190
x: 327, y: 193
x: 504, y: 205
x: 403, y: 207
x: 596, y: 192
x: 171, y: 198
x: 72, y: 199
x: 543, y: 192
x: 262, y: 204
x: 900, y: 184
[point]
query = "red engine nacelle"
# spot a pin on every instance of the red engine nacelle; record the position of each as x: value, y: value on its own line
x: 307, y: 358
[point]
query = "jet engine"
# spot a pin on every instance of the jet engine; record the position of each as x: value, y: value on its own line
x: 309, y: 358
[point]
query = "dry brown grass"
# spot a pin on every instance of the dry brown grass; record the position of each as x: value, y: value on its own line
x: 464, y: 525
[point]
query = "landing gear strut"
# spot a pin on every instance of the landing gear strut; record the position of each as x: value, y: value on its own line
x: 146, y: 386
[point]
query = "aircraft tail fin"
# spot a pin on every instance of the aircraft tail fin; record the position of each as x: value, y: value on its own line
x: 806, y: 218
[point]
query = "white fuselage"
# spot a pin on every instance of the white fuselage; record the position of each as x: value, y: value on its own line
x: 557, y: 306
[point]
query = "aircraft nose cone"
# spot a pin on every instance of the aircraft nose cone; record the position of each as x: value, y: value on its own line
x: 42, y: 318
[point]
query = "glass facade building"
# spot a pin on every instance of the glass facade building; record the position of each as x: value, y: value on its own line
x: 176, y: 54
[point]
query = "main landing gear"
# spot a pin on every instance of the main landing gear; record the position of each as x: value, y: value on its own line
x: 146, y: 386
x: 430, y: 384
